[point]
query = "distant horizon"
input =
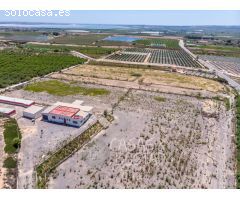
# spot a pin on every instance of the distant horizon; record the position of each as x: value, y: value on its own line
x: 128, y: 17
x: 66, y: 23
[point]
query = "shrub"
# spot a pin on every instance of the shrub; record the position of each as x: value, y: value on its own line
x: 10, y: 163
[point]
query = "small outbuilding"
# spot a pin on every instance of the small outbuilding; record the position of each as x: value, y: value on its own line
x: 7, y: 111
x: 16, y: 101
x: 33, y: 112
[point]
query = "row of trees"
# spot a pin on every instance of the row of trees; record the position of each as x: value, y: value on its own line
x: 16, y: 67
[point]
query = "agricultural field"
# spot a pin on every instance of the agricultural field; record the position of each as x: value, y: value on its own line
x: 137, y: 77
x: 156, y: 42
x: 156, y: 56
x: 219, y: 47
x: 80, y: 39
x: 179, y: 58
x: 156, y: 141
x: 19, y: 66
x: 216, y: 50
x: 129, y: 57
x: 229, y: 65
x: 95, y: 52
x: 112, y: 43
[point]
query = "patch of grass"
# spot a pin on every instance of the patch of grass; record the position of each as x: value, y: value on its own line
x: 12, y: 136
x: 59, y: 88
x: 225, y: 100
x: 227, y: 103
x: 10, y: 163
x: 136, y: 74
x: 160, y: 99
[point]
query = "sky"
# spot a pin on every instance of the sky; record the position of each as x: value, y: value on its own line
x: 178, y: 18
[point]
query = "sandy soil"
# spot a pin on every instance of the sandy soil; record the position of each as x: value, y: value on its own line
x: 181, y: 142
x: 140, y: 84
x: 148, y: 76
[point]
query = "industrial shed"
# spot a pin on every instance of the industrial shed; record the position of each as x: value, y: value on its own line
x: 67, y: 113
x: 16, y: 101
x: 33, y: 112
x: 7, y: 111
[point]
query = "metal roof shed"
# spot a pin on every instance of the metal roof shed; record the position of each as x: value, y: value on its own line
x: 33, y: 112
x: 16, y: 101
x: 7, y: 111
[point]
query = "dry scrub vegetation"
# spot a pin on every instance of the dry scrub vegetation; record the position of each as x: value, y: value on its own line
x: 181, y: 142
x: 142, y: 76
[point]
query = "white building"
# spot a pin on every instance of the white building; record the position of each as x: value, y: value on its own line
x: 73, y: 114
x: 7, y: 111
x: 33, y: 112
x: 16, y: 101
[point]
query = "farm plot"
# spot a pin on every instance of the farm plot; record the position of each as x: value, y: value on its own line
x: 157, y: 56
x: 95, y: 52
x: 137, y: 77
x: 140, y: 50
x: 229, y: 65
x: 220, y: 58
x: 172, y: 57
x: 156, y: 42
x: 18, y: 66
x: 128, y: 57
x: 216, y: 50
x: 106, y: 72
x: 81, y: 39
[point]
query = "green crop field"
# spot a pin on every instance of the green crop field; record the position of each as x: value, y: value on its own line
x: 155, y: 42
x: 220, y: 47
x: 59, y: 88
x: 217, y: 50
x: 112, y: 43
x: 19, y: 66
x: 95, y: 52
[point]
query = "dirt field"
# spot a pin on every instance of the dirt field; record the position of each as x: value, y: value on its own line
x: 180, y: 142
x: 144, y: 76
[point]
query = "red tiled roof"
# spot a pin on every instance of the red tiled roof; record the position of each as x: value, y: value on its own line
x: 64, y: 111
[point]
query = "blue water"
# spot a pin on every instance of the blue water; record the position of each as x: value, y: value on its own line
x: 121, y: 38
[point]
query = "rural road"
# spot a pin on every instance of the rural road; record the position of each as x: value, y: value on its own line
x: 221, y: 74
x: 211, y: 67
